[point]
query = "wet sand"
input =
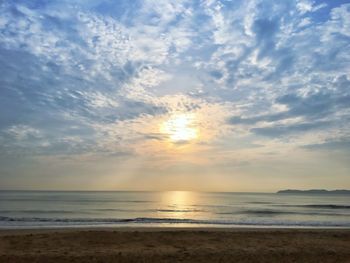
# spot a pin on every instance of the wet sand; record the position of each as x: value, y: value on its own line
x: 174, y: 245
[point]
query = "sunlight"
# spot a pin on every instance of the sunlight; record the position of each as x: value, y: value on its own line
x: 178, y: 198
x: 180, y: 128
x: 179, y: 203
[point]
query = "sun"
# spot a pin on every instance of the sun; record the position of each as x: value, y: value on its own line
x: 180, y: 128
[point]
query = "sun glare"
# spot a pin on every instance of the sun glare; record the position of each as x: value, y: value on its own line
x: 180, y: 127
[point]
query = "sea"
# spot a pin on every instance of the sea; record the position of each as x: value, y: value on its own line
x: 54, y: 209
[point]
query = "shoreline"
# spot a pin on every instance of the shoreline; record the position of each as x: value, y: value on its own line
x: 169, y: 228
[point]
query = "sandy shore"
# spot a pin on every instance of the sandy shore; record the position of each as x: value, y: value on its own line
x: 174, y: 245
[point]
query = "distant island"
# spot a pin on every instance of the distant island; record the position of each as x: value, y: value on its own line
x: 313, y: 191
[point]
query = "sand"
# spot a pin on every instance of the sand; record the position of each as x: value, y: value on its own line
x: 174, y: 245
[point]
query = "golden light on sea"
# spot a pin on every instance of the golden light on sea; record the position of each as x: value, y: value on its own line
x: 180, y: 203
x: 180, y: 128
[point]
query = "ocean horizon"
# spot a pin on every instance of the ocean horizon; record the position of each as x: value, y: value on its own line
x: 51, y: 209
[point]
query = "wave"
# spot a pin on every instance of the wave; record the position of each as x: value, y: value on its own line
x: 275, y: 212
x: 320, y: 206
x: 179, y: 210
x: 92, y: 211
x: 259, y: 202
x: 43, y: 211
x: 255, y: 212
x: 74, y: 200
x: 35, y: 221
x: 266, y: 212
x: 149, y: 210
x: 329, y: 206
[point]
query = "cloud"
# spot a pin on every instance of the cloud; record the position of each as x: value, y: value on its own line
x: 342, y: 144
x: 64, y: 66
x: 91, y: 82
x: 83, y: 73
x: 21, y: 132
x: 292, y: 80
x: 281, y: 130
x: 319, y: 109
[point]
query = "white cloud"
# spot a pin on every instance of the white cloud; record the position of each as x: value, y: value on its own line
x: 23, y: 132
x: 176, y: 56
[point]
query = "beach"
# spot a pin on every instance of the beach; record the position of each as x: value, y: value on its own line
x: 172, y: 227
x: 174, y: 245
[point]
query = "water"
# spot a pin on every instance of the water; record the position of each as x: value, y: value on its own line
x: 28, y: 209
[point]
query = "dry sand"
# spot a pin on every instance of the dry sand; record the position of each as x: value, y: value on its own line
x: 174, y: 245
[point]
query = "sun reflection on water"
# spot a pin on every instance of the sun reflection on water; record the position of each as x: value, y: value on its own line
x: 179, y: 204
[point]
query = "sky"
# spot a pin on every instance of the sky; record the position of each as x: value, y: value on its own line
x: 230, y: 95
